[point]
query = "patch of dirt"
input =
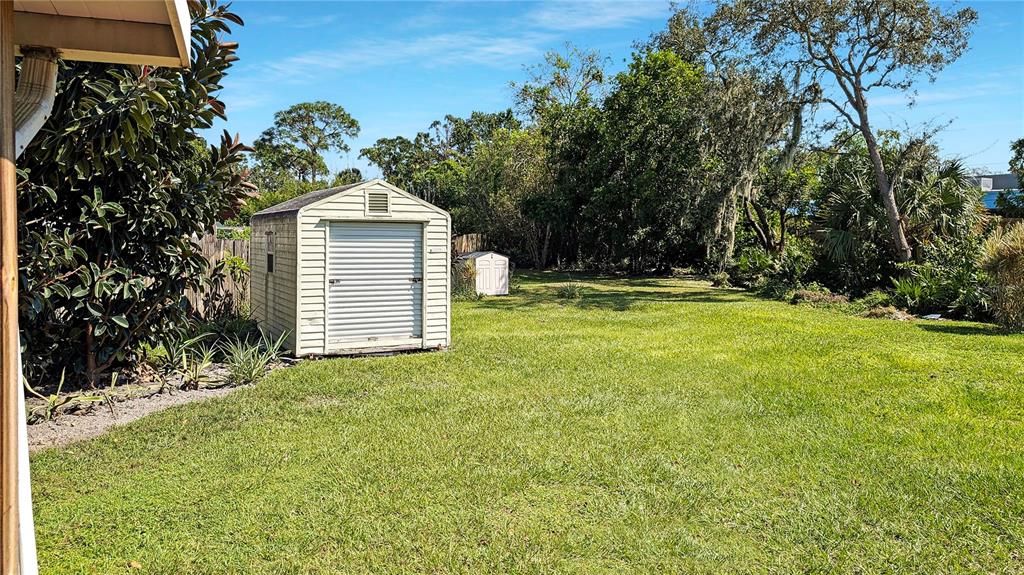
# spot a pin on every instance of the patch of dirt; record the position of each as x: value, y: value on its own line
x: 888, y: 312
x: 71, y: 428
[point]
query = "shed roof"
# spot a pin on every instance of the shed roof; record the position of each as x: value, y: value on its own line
x: 297, y: 203
x: 474, y: 255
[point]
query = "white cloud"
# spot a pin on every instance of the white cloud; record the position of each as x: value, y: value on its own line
x: 290, y: 21
x: 443, y: 37
x: 565, y: 16
x: 429, y: 51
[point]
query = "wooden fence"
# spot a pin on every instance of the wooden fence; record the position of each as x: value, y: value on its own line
x: 215, y: 250
x: 467, y: 243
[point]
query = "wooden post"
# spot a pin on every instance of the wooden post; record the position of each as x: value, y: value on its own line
x: 9, y: 368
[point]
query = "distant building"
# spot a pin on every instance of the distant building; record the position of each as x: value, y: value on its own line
x: 996, y: 185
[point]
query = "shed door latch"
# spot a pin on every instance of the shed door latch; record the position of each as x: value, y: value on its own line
x: 415, y: 280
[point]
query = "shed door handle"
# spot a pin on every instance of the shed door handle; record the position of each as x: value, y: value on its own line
x: 415, y: 280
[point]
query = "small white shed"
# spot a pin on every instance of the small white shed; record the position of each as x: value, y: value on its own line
x: 355, y: 269
x: 491, y: 272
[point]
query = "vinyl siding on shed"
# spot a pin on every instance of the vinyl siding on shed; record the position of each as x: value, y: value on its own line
x: 272, y: 295
x: 314, y: 222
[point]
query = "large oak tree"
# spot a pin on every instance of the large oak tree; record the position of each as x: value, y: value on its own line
x: 853, y: 47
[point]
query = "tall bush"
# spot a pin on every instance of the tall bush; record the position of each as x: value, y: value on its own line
x: 112, y: 194
x: 464, y: 279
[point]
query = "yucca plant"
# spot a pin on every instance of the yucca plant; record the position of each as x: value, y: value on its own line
x: 193, y: 367
x: 176, y: 350
x: 244, y: 361
x: 247, y: 362
x: 570, y: 290
x: 272, y: 347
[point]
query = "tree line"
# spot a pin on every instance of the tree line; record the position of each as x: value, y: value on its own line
x: 701, y: 147
x: 740, y: 144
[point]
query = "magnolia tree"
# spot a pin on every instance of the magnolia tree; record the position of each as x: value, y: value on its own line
x: 112, y: 195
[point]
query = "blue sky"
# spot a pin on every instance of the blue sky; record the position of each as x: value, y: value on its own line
x: 397, y: 66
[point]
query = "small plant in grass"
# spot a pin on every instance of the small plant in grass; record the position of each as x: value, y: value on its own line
x: 515, y: 285
x: 876, y: 303
x: 570, y: 290
x: 887, y: 312
x: 875, y: 298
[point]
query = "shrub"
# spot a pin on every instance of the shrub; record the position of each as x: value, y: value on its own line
x: 912, y: 292
x: 752, y: 266
x: 775, y: 276
x: 720, y: 279
x: 1003, y: 258
x: 515, y: 285
x: 230, y: 326
x: 235, y: 233
x: 244, y: 362
x: 174, y: 352
x: 464, y: 280
x: 947, y: 280
x: 110, y: 195
x: 875, y: 299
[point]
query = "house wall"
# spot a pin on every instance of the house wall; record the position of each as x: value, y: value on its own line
x: 272, y: 295
x: 314, y: 221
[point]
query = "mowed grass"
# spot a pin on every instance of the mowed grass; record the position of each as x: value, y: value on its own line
x: 652, y: 426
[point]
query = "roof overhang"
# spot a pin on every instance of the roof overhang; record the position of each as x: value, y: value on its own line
x: 143, y: 32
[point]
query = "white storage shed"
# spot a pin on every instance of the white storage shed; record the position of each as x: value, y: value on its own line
x: 355, y: 269
x: 491, y: 272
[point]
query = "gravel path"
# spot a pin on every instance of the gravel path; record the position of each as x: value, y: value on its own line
x: 70, y: 428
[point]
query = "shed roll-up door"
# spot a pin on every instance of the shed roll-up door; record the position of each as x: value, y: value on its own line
x: 374, y: 283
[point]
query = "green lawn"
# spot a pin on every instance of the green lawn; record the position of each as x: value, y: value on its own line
x: 652, y: 426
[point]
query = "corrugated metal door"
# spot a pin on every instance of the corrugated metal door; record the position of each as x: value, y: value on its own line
x: 374, y: 284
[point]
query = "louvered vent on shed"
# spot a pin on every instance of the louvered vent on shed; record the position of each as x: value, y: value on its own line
x: 377, y: 203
